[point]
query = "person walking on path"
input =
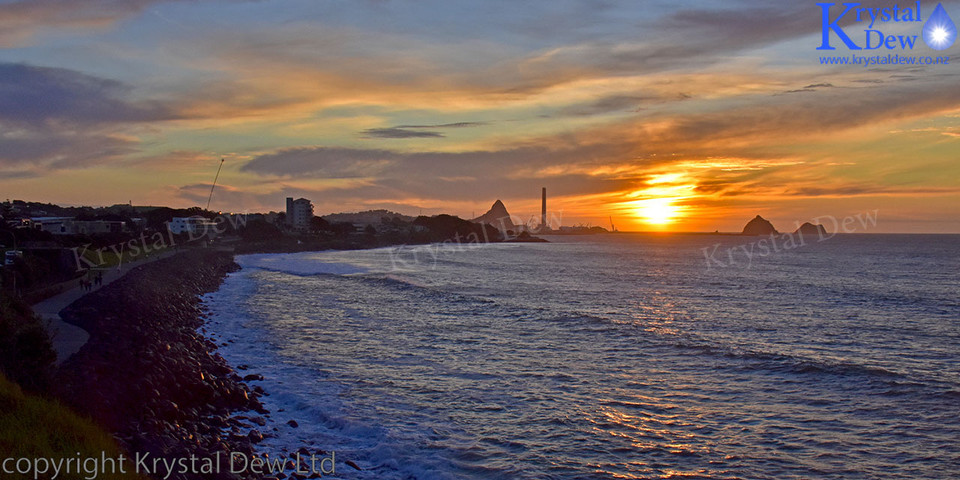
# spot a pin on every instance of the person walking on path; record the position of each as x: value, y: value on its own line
x: 67, y: 339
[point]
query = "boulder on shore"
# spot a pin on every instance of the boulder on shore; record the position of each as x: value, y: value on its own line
x: 149, y: 376
x: 759, y: 226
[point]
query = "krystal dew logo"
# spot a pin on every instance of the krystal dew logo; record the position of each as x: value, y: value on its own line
x: 938, y: 32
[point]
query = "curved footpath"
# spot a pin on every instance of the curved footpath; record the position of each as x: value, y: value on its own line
x: 149, y: 375
x: 67, y: 339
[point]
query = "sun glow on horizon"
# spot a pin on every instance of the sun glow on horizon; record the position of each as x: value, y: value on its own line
x: 657, y: 204
x: 657, y: 211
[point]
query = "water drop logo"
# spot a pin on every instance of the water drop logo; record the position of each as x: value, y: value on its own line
x: 939, y: 32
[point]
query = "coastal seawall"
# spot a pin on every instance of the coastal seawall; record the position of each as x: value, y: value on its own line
x: 149, y: 374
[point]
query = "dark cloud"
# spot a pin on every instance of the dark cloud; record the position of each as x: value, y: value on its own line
x: 416, y: 131
x: 862, y: 190
x: 560, y: 163
x: 810, y: 88
x: 40, y: 96
x: 397, y: 132
x: 491, y: 165
x: 61, y: 150
x: 446, y: 125
x: 224, y: 195
x: 609, y: 104
x: 15, y: 174
x: 481, y: 188
x: 327, y: 162
x: 59, y: 118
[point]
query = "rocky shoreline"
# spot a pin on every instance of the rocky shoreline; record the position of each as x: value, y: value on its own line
x: 149, y: 375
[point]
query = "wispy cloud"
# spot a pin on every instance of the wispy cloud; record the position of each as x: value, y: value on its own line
x: 445, y: 125
x: 416, y: 131
x: 608, y: 104
x: 397, y: 132
x: 22, y: 20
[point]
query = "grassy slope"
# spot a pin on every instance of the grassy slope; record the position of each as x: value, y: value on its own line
x: 33, y: 427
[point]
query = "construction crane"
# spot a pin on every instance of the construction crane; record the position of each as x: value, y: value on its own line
x: 214, y: 184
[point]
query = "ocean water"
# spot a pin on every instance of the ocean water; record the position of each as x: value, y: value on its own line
x: 613, y: 356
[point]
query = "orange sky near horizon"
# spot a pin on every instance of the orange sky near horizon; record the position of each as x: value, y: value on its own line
x: 660, y: 117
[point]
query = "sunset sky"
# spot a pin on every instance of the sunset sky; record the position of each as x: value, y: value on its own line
x: 665, y: 115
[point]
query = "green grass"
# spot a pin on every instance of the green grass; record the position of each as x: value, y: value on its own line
x: 108, y: 258
x: 33, y: 427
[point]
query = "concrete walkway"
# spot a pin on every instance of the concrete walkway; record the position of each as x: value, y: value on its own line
x: 67, y: 339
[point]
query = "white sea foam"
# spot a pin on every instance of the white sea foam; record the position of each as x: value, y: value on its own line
x: 301, y: 391
x: 615, y: 356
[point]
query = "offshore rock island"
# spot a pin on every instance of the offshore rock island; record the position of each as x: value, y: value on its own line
x: 761, y: 226
x: 810, y: 229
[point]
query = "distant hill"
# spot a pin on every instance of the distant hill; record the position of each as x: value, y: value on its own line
x: 497, y: 217
x: 369, y: 217
x: 20, y: 208
x: 759, y: 226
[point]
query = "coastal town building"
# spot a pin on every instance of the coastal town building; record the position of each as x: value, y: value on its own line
x: 195, y: 225
x: 69, y: 226
x: 299, y: 213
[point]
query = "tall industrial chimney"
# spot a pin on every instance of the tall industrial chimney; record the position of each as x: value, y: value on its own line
x: 543, y: 209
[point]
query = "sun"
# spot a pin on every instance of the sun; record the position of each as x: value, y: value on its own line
x: 657, y: 211
x: 662, y: 200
